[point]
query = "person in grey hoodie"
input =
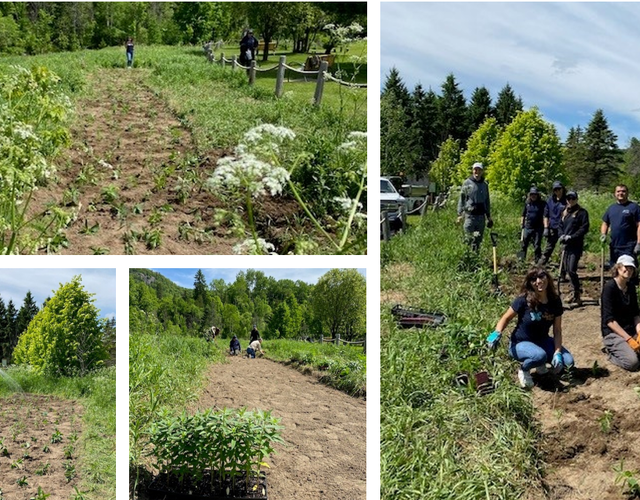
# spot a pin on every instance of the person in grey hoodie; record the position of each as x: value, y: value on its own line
x: 474, y: 206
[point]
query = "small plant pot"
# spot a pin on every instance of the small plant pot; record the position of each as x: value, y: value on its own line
x: 484, y: 383
x: 462, y: 379
x: 164, y: 487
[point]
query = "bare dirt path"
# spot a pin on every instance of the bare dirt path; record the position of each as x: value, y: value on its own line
x: 591, y: 427
x: 132, y: 176
x: 325, y: 429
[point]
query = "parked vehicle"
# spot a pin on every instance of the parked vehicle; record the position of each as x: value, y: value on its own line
x: 393, y: 204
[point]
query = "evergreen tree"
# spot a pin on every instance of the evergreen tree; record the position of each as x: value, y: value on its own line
x: 4, y: 331
x: 632, y: 167
x: 394, y: 86
x: 12, y: 316
x: 425, y: 120
x: 603, y: 156
x: 398, y: 141
x: 507, y: 106
x: 574, y: 157
x: 480, y: 108
x: 452, y: 112
x: 27, y: 312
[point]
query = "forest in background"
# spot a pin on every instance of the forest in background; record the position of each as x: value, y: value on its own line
x: 41, y: 27
x: 336, y: 304
x: 442, y: 135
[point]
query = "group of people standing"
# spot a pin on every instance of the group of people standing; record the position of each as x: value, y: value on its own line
x: 538, y: 307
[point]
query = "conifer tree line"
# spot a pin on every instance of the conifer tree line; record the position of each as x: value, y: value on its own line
x: 41, y: 27
x: 284, y: 308
x: 440, y: 135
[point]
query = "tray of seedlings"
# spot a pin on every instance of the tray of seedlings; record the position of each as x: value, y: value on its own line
x: 213, y: 455
x: 410, y: 317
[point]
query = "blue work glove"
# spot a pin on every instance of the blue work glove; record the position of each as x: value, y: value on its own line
x: 494, y: 339
x: 557, y: 363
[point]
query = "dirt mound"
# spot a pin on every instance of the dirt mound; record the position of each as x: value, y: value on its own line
x: 325, y: 429
x: 590, y: 424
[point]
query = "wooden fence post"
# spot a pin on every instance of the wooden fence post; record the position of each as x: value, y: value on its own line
x: 386, y: 227
x: 321, y: 339
x: 234, y: 62
x: 280, y: 76
x: 337, y: 339
x: 252, y: 72
x: 317, y: 99
x: 222, y: 59
x: 364, y: 344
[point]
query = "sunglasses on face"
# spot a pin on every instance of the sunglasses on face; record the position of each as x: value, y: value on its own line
x: 539, y: 276
x: 571, y: 198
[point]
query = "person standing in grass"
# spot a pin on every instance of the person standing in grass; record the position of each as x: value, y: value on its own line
x: 248, y: 46
x: 556, y: 204
x: 129, y: 46
x: 621, y: 316
x: 538, y: 309
x: 474, y: 206
x: 623, y: 217
x: 255, y: 347
x: 254, y: 335
x: 532, y: 224
x: 573, y: 228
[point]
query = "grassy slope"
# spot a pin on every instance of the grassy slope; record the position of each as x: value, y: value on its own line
x: 97, y: 394
x: 439, y: 441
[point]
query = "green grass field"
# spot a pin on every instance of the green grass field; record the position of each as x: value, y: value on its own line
x: 441, y: 441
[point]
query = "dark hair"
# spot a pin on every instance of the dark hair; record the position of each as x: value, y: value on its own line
x: 527, y: 291
x: 615, y: 269
x: 622, y: 186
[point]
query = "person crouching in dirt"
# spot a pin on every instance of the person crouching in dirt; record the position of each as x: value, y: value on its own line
x: 234, y: 346
x: 532, y: 224
x: 573, y: 228
x: 474, y: 206
x: 621, y: 316
x: 254, y: 335
x: 538, y: 308
x: 255, y: 347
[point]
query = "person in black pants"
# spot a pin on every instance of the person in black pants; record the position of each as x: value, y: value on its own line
x: 532, y: 224
x: 556, y: 203
x: 255, y: 335
x: 621, y: 316
x: 574, y: 227
x: 248, y: 46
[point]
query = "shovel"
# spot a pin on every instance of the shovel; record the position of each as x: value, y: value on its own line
x: 494, y: 244
x: 521, y: 254
x: 601, y: 273
x: 560, y: 271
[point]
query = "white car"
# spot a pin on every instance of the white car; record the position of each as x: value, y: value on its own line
x: 392, y: 203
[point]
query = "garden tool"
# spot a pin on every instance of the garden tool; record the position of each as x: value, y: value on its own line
x: 494, y: 244
x: 521, y: 254
x: 601, y: 271
x: 560, y: 271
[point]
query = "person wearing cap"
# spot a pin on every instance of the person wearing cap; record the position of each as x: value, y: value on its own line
x: 234, y: 346
x: 532, y: 224
x: 574, y: 226
x: 623, y: 218
x: 248, y: 46
x: 254, y: 335
x: 474, y: 206
x: 556, y: 203
x: 620, y: 316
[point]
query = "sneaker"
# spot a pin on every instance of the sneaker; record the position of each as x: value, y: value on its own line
x: 526, y: 382
x: 542, y: 370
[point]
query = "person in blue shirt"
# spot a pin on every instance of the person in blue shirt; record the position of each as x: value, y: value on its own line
x: 623, y: 218
x: 129, y: 46
x: 474, y: 206
x: 532, y: 224
x: 234, y: 346
x: 538, y: 309
x: 556, y: 204
x: 248, y: 46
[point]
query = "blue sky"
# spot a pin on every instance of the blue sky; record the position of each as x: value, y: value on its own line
x: 43, y: 283
x: 569, y: 59
x: 184, y: 277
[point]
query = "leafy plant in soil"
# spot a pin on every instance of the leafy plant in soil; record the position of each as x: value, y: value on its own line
x: 628, y: 479
x: 217, y: 453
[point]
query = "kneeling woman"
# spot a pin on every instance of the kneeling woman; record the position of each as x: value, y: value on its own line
x: 538, y: 308
x: 621, y: 316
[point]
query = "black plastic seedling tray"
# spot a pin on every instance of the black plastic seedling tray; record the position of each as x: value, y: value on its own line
x: 410, y: 317
x: 162, y: 488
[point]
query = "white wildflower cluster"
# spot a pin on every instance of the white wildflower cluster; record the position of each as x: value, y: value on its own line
x: 343, y: 34
x: 268, y: 131
x: 346, y: 204
x: 254, y: 247
x: 246, y: 172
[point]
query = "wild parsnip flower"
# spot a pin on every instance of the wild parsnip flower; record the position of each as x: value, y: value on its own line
x: 246, y: 172
x: 267, y: 130
x: 254, y: 247
x: 346, y: 204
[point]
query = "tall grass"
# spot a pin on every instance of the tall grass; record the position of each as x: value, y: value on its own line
x: 438, y: 440
x: 96, y: 392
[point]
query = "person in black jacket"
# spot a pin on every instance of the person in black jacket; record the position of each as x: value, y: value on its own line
x: 234, y: 346
x: 532, y: 224
x: 248, y: 46
x: 556, y: 203
x: 621, y: 316
x: 255, y: 335
x: 574, y: 227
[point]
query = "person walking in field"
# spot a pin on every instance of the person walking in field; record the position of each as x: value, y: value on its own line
x: 255, y: 347
x: 556, y: 204
x: 620, y: 321
x: 234, y: 346
x: 248, y: 46
x: 532, y: 224
x: 474, y: 206
x: 573, y: 228
x: 129, y: 46
x: 623, y: 218
x: 538, y: 309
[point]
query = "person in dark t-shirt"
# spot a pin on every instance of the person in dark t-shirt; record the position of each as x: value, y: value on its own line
x: 129, y: 46
x: 538, y: 309
x: 620, y: 320
x: 532, y: 224
x: 623, y: 217
x: 255, y: 335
